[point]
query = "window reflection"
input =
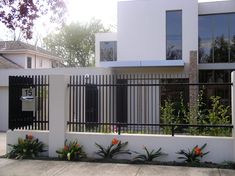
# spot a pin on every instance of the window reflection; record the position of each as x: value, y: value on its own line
x: 108, y: 51
x: 174, y: 35
x: 205, y: 39
x: 217, y: 38
x: 232, y: 37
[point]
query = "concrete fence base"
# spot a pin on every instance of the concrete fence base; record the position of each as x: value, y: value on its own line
x: 220, y: 148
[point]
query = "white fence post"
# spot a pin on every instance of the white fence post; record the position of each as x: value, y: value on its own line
x: 58, y: 103
x: 233, y: 111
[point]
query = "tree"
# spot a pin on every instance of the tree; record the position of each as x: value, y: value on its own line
x: 23, y: 13
x: 75, y: 43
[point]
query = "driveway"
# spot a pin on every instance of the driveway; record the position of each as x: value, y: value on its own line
x: 2, y: 144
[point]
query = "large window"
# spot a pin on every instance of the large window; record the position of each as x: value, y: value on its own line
x: 108, y: 51
x: 174, y: 35
x: 217, y: 38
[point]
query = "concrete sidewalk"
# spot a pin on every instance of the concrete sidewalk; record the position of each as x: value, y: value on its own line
x: 63, y: 168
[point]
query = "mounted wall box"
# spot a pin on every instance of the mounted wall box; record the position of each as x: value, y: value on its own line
x: 28, y: 99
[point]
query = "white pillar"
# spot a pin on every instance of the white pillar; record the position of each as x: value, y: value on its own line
x: 58, y: 102
x: 233, y: 111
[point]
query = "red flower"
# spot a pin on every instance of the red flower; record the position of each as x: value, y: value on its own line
x: 66, y: 148
x: 198, y: 151
x: 29, y: 136
x: 115, y: 141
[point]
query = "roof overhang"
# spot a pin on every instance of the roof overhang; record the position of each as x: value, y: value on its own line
x: 143, y: 63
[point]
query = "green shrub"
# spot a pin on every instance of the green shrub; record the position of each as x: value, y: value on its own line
x: 148, y: 156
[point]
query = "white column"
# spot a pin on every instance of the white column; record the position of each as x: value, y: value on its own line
x: 58, y: 102
x: 233, y: 111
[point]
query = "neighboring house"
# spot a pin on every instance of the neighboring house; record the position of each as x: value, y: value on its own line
x: 159, y: 35
x: 17, y: 54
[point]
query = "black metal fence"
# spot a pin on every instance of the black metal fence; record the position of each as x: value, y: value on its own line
x: 29, y: 102
x: 132, y: 103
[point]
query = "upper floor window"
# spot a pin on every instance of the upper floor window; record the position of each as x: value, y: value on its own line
x: 29, y: 62
x: 108, y: 51
x: 216, y: 38
x: 174, y: 35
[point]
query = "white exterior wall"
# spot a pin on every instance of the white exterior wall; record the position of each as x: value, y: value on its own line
x: 142, y: 28
x: 46, y: 63
x: 216, y: 7
x: 100, y: 37
x: 20, y: 59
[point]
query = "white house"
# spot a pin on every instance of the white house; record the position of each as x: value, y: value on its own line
x: 17, y: 54
x: 161, y: 33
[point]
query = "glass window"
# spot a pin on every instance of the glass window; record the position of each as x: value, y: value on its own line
x: 29, y: 62
x: 174, y: 35
x: 108, y: 51
x: 232, y: 37
x: 205, y: 39
x: 221, y: 33
x: 217, y: 38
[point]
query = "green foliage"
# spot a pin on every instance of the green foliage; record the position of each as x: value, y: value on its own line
x: 75, y: 43
x: 148, y: 156
x: 218, y: 115
x: 115, y: 148
x: 26, y: 148
x: 167, y: 115
x: 72, y: 151
x: 194, y: 155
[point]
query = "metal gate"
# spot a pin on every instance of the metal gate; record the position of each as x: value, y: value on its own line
x: 29, y: 102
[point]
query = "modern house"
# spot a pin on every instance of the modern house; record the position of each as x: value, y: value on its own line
x: 165, y: 36
x: 17, y: 54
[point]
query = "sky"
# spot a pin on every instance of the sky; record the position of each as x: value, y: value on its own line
x: 79, y: 10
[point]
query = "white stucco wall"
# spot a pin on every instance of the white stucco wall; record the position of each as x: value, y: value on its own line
x: 216, y: 7
x: 169, y: 144
x: 142, y: 28
x: 20, y: 59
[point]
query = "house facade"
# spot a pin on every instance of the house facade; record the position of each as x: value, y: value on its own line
x: 180, y: 36
x: 17, y: 54
x: 161, y: 34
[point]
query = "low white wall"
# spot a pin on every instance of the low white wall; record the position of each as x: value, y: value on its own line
x: 220, y: 148
x: 12, y: 137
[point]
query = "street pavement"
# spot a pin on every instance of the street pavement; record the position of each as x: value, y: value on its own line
x: 9, y: 167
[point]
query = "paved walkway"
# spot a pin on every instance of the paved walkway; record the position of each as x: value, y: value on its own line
x: 63, y: 168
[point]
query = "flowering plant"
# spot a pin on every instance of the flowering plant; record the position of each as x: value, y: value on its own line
x: 115, y: 148
x: 26, y: 148
x: 194, y: 155
x: 71, y: 151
